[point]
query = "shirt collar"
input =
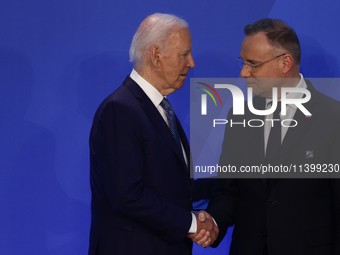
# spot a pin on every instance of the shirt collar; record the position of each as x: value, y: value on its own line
x: 292, y: 95
x: 153, y: 94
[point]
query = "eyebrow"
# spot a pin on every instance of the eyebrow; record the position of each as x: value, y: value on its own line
x: 251, y: 61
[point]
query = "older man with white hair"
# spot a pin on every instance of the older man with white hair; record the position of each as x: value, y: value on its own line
x: 140, y: 179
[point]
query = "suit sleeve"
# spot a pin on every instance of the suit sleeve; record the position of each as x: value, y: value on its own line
x: 223, y: 205
x: 119, y: 150
x: 335, y: 186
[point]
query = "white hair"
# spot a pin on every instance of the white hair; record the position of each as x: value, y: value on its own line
x: 154, y: 30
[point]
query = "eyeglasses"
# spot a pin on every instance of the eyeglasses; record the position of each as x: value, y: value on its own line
x: 251, y: 67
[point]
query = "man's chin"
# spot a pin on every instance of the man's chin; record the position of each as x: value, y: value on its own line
x: 180, y: 85
x: 255, y: 92
x: 181, y: 80
x: 254, y: 87
x: 251, y: 85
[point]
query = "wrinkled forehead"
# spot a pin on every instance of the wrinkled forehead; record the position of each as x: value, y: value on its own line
x: 180, y: 39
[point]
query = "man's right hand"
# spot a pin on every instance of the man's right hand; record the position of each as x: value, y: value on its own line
x: 207, y: 231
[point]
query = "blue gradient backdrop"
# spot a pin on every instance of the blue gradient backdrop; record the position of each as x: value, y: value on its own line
x: 60, y: 58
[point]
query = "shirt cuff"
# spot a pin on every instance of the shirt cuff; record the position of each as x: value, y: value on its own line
x: 193, y: 227
x: 214, y: 221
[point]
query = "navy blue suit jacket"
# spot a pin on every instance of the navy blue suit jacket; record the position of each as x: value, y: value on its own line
x: 291, y: 216
x: 140, y: 185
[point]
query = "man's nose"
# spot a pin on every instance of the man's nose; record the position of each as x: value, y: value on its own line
x: 191, y: 62
x: 244, y: 72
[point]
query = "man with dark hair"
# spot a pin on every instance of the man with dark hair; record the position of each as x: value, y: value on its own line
x: 279, y: 35
x: 140, y: 181
x: 279, y: 216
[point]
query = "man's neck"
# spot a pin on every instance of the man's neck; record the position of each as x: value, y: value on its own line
x: 152, y: 77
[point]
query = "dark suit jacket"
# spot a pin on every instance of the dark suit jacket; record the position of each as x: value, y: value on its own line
x: 140, y: 184
x: 294, y: 216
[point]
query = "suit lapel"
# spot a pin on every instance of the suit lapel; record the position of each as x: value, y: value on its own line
x: 257, y: 134
x: 186, y: 146
x: 294, y: 133
x: 259, y: 103
x: 184, y: 141
x: 153, y: 114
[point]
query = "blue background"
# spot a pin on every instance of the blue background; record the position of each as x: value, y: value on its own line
x: 60, y: 58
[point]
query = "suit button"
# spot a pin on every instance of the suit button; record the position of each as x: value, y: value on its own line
x: 263, y: 234
x: 271, y: 201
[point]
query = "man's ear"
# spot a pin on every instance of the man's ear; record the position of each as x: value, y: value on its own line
x: 155, y: 55
x: 287, y: 63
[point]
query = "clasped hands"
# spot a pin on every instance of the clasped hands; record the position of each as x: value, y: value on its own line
x: 207, y: 231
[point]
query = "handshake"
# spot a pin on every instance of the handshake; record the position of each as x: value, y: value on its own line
x: 207, y: 230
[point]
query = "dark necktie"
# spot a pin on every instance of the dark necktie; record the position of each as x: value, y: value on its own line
x: 274, y: 139
x: 172, y: 121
